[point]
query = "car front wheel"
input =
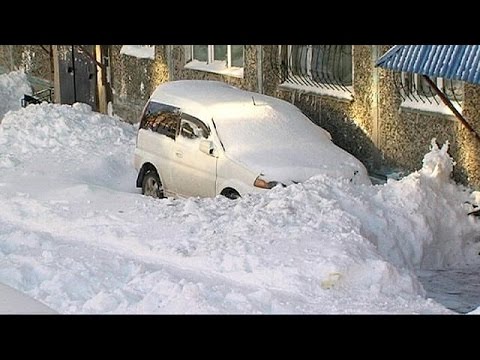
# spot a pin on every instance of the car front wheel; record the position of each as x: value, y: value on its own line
x: 152, y: 186
x: 230, y: 193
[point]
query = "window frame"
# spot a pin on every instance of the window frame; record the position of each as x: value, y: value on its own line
x: 212, y: 65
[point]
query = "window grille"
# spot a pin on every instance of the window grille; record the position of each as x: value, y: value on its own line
x: 322, y: 66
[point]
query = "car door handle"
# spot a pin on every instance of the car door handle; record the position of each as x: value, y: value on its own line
x: 179, y: 154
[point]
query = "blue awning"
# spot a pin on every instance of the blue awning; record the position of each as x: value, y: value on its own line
x: 456, y: 62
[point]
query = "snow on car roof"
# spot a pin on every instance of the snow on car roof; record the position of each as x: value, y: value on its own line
x: 210, y: 97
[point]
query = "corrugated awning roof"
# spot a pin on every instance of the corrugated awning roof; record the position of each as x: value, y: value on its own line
x: 457, y: 62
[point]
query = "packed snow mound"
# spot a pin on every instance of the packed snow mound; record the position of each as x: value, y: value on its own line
x: 437, y: 164
x: 77, y: 235
x: 420, y: 221
x: 70, y: 141
x: 54, y: 128
x: 12, y: 88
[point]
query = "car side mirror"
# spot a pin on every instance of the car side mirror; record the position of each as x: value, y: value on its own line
x: 207, y: 147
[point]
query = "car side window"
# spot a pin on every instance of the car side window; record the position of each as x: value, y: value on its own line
x: 192, y: 128
x: 161, y: 118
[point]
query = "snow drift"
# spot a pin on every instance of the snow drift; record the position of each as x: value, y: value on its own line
x: 420, y: 221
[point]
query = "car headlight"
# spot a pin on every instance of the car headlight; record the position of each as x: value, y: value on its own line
x: 264, y: 184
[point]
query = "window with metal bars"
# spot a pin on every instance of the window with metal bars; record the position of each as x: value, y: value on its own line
x: 322, y: 66
x: 415, y: 89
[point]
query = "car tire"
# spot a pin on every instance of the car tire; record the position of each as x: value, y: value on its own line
x: 230, y: 194
x: 151, y: 185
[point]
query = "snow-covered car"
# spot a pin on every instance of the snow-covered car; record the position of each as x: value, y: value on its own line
x: 205, y: 138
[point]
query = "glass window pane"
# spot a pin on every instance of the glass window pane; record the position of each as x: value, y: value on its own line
x: 327, y: 64
x: 423, y: 88
x: 319, y: 64
x: 407, y: 83
x: 188, y: 129
x: 220, y: 52
x: 299, y: 59
x: 346, y: 65
x: 323, y: 63
x: 332, y: 64
x: 453, y: 89
x: 237, y: 55
x: 200, y: 52
x: 161, y: 119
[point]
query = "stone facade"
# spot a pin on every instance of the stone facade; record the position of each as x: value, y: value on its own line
x: 133, y: 80
x: 406, y: 134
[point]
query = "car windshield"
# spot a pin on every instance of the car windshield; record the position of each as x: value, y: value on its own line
x: 260, y: 126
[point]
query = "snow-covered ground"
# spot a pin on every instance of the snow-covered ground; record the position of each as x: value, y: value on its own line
x: 78, y: 236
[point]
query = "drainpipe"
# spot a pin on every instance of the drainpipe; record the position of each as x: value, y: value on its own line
x: 73, y: 74
x: 375, y: 89
x: 12, y: 63
x: 56, y: 75
x: 101, y: 79
x: 259, y: 69
x: 168, y: 51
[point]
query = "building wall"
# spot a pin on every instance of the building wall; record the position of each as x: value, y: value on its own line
x: 134, y: 80
x: 467, y: 148
x: 406, y: 134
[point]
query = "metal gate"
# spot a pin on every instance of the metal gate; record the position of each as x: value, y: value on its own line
x: 77, y: 75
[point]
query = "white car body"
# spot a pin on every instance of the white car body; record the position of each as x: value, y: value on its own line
x: 226, y: 138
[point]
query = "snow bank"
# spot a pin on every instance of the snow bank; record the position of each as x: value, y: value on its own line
x: 76, y: 234
x: 12, y: 88
x: 69, y: 142
x: 420, y: 221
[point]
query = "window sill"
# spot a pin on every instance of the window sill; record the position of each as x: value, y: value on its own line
x: 217, y: 67
x: 428, y: 108
x: 343, y: 95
